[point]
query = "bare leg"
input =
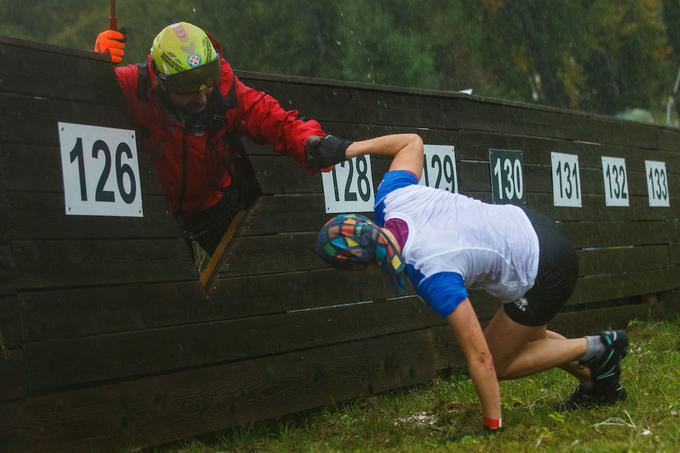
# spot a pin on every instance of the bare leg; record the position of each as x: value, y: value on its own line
x: 580, y: 372
x: 520, y: 350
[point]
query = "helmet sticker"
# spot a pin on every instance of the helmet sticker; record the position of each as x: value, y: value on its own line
x: 194, y: 60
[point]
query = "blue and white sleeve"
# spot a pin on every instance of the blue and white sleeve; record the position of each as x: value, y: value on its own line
x: 443, y: 291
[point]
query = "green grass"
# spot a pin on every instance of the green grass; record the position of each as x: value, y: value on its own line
x: 445, y: 415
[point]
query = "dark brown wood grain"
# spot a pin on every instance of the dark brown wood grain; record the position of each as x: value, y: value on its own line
x: 58, y: 363
x: 7, y: 271
x: 109, y: 341
x: 12, y: 375
x: 68, y: 263
x: 87, y: 77
x: 152, y: 410
x: 11, y: 334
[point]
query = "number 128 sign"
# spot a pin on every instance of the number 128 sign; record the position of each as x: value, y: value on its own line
x: 349, y: 186
x: 101, y: 175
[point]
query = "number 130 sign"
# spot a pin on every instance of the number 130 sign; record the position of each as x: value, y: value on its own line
x: 101, y: 175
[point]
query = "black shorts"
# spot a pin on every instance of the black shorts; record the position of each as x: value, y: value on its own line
x: 556, y: 277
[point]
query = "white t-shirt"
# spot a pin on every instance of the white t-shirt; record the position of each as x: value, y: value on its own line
x: 455, y: 241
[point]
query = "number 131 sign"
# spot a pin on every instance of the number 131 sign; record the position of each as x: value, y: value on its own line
x: 101, y: 175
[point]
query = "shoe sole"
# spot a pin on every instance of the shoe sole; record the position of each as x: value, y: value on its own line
x: 568, y: 406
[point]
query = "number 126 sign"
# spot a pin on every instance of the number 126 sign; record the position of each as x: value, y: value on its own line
x: 101, y: 175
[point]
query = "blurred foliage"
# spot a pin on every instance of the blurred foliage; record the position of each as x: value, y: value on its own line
x: 595, y: 55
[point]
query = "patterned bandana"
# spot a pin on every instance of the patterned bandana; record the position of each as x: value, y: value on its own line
x: 352, y: 241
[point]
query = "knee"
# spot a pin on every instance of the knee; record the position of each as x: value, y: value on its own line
x: 502, y: 369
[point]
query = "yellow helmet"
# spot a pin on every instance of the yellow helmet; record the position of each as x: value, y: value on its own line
x: 184, y: 59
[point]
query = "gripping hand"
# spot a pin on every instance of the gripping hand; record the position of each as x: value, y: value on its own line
x: 325, y: 151
x: 111, y: 42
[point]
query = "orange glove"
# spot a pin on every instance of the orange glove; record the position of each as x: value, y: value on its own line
x: 111, y: 42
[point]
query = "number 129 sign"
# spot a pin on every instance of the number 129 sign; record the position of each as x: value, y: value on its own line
x: 439, y: 168
x: 101, y: 175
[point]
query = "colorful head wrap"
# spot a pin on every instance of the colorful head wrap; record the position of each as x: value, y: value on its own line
x: 353, y: 241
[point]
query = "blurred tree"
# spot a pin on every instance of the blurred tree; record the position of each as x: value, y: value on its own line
x: 595, y: 55
x: 627, y: 61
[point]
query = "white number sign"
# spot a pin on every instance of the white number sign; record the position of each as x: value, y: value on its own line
x: 566, y: 180
x: 349, y: 186
x: 100, y: 170
x: 615, y: 181
x: 439, y: 168
x: 657, y: 183
x: 507, y: 178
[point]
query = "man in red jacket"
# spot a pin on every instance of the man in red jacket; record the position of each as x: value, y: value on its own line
x: 194, y: 111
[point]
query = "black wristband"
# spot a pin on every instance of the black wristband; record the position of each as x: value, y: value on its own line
x: 326, y: 151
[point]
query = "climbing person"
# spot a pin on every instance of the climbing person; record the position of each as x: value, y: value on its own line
x: 194, y: 110
x: 447, y: 243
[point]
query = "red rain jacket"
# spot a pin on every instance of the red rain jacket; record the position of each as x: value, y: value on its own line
x: 190, y: 162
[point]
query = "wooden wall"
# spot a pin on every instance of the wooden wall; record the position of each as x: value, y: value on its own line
x: 108, y: 339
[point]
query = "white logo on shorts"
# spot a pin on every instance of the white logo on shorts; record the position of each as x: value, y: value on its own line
x: 522, y: 303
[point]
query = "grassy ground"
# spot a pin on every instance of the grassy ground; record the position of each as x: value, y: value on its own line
x: 445, y: 415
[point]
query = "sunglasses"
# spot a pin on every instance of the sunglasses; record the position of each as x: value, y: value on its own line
x: 193, y: 80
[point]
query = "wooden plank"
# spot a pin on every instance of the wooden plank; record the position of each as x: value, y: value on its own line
x: 10, y: 322
x: 607, y: 234
x: 12, y: 375
x: 305, y: 212
x: 153, y: 410
x: 73, y: 312
x: 441, y: 110
x: 674, y: 226
x: 618, y: 286
x: 45, y: 161
x: 594, y: 209
x: 22, y: 116
x: 675, y: 252
x: 285, y: 214
x: 83, y: 78
x: 279, y: 175
x: 272, y: 254
x: 64, y: 51
x: 76, y: 312
x: 623, y: 259
x: 668, y: 305
x: 7, y: 271
x: 209, y: 274
x: 669, y: 139
x: 4, y: 215
x: 59, y: 264
x: 589, y: 322
x: 58, y: 363
x: 52, y: 314
x: 41, y: 216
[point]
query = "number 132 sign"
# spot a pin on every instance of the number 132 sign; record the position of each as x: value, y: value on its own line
x: 101, y: 175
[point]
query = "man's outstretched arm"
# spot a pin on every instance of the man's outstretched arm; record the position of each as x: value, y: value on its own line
x: 406, y: 151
